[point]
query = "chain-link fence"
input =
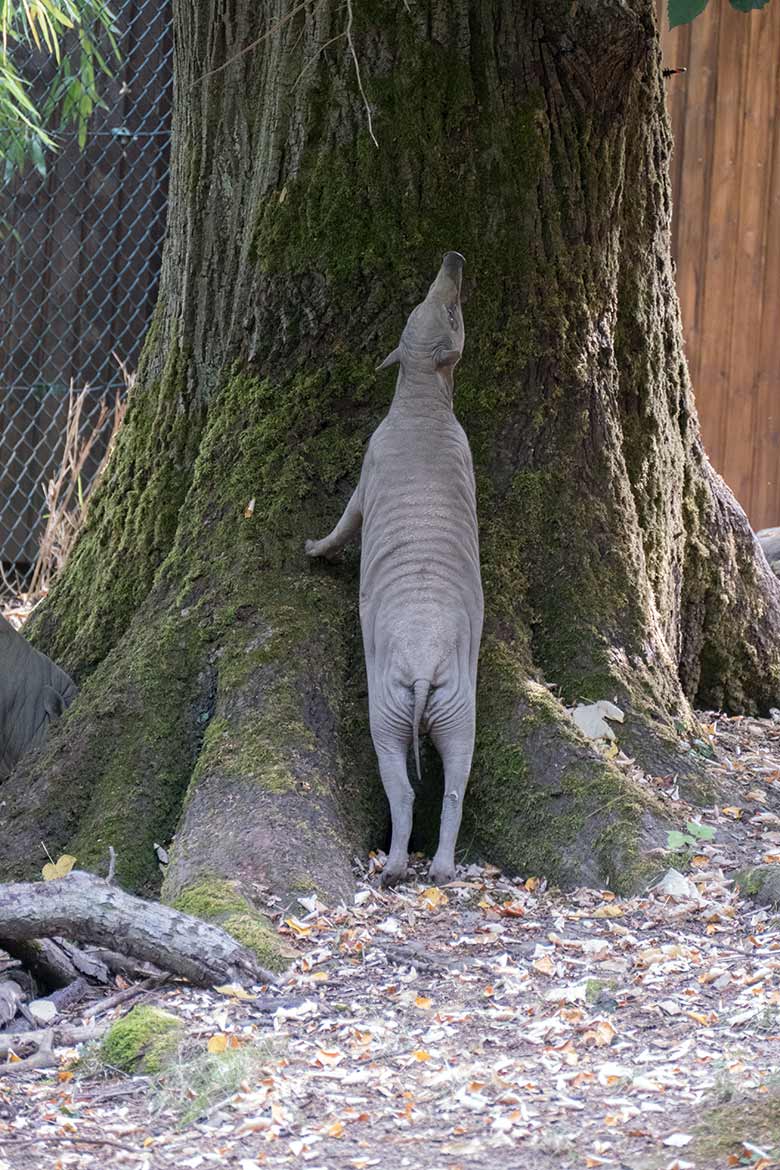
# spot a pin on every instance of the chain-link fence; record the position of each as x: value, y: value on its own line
x: 81, y: 252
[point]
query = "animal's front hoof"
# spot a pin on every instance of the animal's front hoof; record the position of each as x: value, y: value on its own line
x: 393, y: 874
x: 311, y: 548
x: 439, y: 874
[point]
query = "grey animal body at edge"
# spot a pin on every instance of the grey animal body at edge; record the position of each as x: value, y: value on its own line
x: 769, y: 539
x: 33, y: 692
x: 420, y: 590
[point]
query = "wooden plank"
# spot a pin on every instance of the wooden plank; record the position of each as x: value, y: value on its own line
x: 675, y: 54
x: 765, y: 509
x: 721, y: 215
x: 759, y: 97
x: 694, y: 178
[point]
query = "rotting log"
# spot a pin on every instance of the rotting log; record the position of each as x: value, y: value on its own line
x: 87, y: 909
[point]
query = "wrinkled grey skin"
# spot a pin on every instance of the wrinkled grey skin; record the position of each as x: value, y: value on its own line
x: 33, y: 692
x: 420, y: 589
x: 769, y: 539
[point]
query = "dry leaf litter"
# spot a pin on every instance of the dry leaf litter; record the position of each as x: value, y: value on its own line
x: 492, y: 1024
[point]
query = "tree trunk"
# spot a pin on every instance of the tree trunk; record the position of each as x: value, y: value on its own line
x: 224, y: 696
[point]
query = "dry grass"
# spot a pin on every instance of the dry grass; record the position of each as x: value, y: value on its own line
x: 66, y: 493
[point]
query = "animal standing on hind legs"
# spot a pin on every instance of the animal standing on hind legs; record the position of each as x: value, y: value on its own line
x: 420, y: 589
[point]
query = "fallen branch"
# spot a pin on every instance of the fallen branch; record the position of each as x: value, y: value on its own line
x: 87, y: 909
x: 61, y: 1036
x: 43, y: 1057
x: 128, y: 993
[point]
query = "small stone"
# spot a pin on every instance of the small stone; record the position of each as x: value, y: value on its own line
x: 43, y: 1011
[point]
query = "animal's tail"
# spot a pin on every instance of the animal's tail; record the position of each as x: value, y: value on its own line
x: 422, y: 688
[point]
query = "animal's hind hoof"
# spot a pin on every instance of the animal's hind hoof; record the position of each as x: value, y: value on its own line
x: 393, y: 874
x: 440, y: 875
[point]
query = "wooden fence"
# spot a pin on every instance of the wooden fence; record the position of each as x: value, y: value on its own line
x: 726, y: 184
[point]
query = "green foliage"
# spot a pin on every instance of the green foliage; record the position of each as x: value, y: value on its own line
x: 683, y: 11
x: 694, y: 832
x: 80, y: 35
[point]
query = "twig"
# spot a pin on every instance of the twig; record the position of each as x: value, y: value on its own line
x: 348, y: 33
x: 123, y: 996
x: 111, y: 864
x: 403, y: 955
x: 14, y: 1143
x: 317, y: 55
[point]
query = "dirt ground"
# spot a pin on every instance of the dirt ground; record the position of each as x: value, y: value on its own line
x: 493, y: 1025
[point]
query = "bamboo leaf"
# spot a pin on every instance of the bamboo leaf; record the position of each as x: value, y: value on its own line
x: 746, y: 5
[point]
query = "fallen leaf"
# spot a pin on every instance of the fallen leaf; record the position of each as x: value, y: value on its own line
x: 608, y: 910
x: 235, y: 990
x: 434, y: 898
x: 328, y: 1057
x: 601, y: 1033
x: 422, y: 1001
x: 678, y: 1140
x: 217, y: 1042
x: 53, y: 870
x: 298, y: 927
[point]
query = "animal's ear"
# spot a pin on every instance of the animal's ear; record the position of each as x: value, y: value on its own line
x: 392, y: 359
x: 447, y: 357
x: 53, y: 703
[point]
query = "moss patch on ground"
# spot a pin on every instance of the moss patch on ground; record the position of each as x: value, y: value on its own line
x: 144, y: 1040
x: 720, y: 1134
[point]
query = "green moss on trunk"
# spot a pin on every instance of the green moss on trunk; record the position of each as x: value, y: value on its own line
x: 221, y: 902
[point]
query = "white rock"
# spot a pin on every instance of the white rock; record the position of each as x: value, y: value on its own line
x: 43, y: 1011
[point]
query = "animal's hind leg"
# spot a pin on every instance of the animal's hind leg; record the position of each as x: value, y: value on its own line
x: 400, y: 795
x: 456, y: 748
x: 348, y: 526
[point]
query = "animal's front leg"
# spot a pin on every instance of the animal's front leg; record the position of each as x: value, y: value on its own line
x: 400, y: 795
x: 348, y: 526
x: 456, y: 751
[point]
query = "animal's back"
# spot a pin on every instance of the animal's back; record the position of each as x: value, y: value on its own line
x: 420, y: 554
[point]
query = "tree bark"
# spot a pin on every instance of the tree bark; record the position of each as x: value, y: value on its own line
x: 223, y: 696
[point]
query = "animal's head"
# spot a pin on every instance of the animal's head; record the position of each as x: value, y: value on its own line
x: 432, y: 340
